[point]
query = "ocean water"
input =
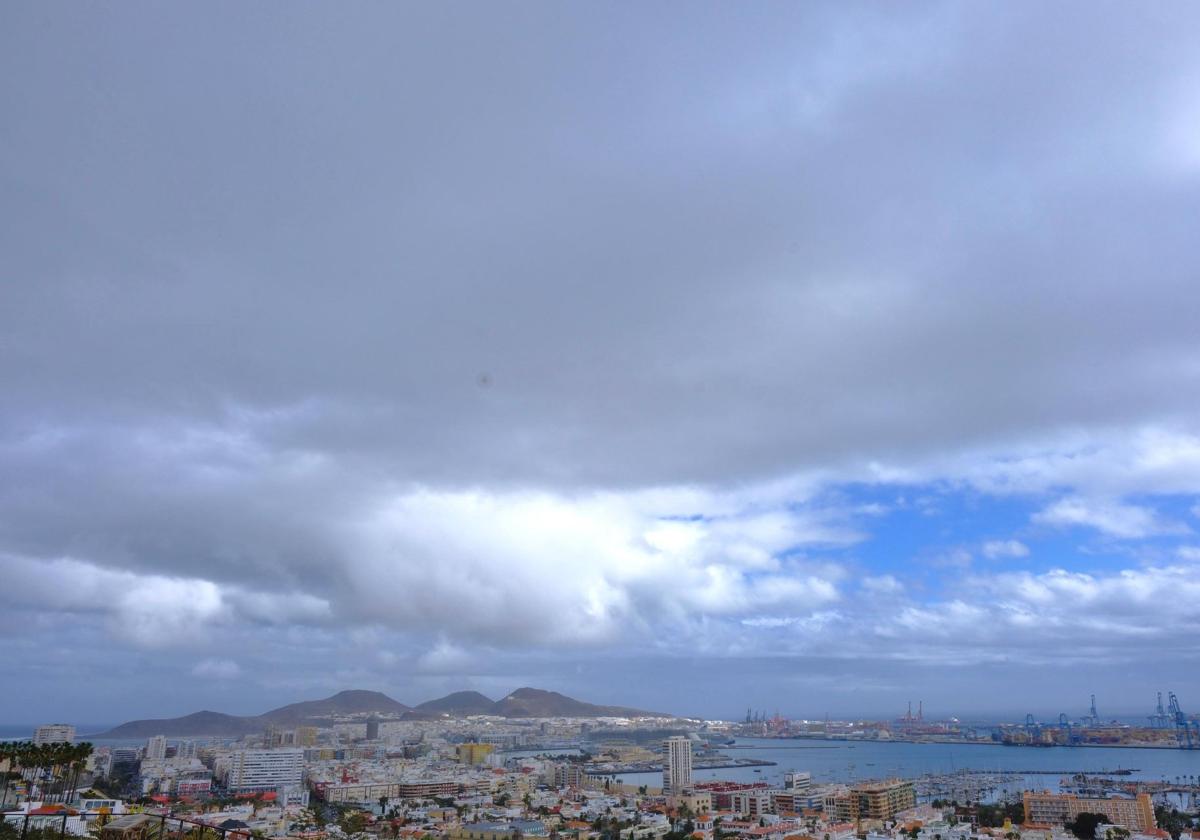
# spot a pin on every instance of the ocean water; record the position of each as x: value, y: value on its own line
x: 842, y: 761
x: 24, y: 731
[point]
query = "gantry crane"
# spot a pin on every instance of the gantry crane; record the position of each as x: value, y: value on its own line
x: 1183, y: 725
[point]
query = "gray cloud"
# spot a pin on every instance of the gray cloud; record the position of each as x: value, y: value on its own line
x: 318, y: 324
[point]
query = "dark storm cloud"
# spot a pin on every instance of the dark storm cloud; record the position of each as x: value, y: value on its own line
x: 315, y: 303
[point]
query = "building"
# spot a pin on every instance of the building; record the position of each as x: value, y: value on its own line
x: 1051, y: 809
x: 426, y: 790
x: 292, y: 796
x: 251, y: 770
x: 721, y: 793
x: 103, y: 805
x: 394, y: 790
x: 273, y: 736
x: 677, y: 765
x: 871, y: 801
x: 124, y: 760
x: 799, y: 782
x: 498, y: 831
x: 373, y: 729
x: 193, y: 787
x: 695, y: 801
x: 569, y: 775
x: 54, y: 733
x: 473, y: 753
x: 752, y: 803
x: 156, y: 748
x: 133, y: 827
x: 306, y: 736
x: 186, y: 749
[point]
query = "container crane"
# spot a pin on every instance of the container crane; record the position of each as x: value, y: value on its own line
x: 1065, y: 723
x: 1159, y: 719
x: 1183, y: 726
x: 1032, y: 729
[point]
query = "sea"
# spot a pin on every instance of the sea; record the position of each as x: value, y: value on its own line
x: 24, y: 731
x: 848, y: 762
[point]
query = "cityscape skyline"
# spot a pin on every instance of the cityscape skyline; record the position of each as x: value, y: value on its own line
x: 913, y: 710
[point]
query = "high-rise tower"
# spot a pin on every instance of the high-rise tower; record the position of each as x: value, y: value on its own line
x: 677, y: 765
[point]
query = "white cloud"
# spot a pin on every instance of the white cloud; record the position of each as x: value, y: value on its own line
x: 955, y: 558
x: 147, y: 610
x: 1113, y: 518
x: 602, y: 562
x: 994, y: 549
x: 883, y: 585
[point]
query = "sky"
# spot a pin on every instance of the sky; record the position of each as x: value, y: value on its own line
x: 815, y: 357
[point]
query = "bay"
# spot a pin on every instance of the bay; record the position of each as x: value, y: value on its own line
x: 848, y: 762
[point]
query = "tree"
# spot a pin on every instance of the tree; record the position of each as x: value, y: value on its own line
x: 1084, y: 826
x: 1171, y: 821
x: 353, y: 822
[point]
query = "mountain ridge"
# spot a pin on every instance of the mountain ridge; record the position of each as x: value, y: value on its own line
x: 458, y: 702
x: 350, y: 701
x: 525, y: 702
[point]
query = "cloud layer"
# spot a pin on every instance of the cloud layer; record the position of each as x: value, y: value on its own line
x: 433, y: 347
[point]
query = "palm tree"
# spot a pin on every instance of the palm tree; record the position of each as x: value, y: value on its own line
x: 8, y: 754
x: 55, y: 756
x: 83, y: 751
x: 29, y: 757
x: 61, y: 757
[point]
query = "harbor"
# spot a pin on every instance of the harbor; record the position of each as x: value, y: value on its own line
x: 947, y: 767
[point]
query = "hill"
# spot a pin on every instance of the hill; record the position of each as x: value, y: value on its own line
x: 458, y: 703
x: 342, y: 703
x: 212, y: 724
x: 522, y: 703
x: 535, y: 702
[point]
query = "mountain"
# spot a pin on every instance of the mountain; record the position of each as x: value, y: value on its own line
x: 535, y: 702
x: 458, y: 703
x: 342, y: 703
x: 212, y: 724
x: 522, y: 703
x: 215, y: 724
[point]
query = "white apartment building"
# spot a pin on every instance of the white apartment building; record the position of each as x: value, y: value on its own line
x: 54, y: 733
x: 799, y: 782
x: 156, y: 748
x: 677, y: 765
x: 265, y: 769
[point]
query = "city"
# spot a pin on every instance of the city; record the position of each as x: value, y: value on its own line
x: 460, y: 768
